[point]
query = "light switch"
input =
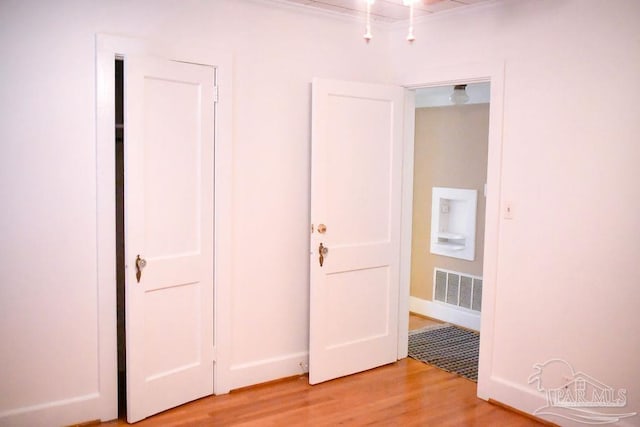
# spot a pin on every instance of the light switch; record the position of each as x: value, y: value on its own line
x: 508, y: 210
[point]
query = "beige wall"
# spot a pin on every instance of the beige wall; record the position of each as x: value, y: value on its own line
x: 450, y: 151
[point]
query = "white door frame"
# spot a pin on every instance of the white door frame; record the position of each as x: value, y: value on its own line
x: 107, y: 49
x: 492, y: 72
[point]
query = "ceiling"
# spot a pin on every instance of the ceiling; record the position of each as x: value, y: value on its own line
x: 388, y: 11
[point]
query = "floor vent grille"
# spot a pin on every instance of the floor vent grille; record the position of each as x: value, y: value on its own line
x: 458, y: 289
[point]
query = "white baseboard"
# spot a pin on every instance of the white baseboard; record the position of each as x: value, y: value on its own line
x: 62, y: 412
x: 445, y: 313
x: 260, y: 371
x: 527, y: 399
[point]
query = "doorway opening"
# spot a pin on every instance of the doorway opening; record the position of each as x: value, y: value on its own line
x: 119, y: 205
x: 111, y: 317
x: 449, y: 203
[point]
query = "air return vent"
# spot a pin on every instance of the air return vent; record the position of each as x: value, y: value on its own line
x: 457, y: 289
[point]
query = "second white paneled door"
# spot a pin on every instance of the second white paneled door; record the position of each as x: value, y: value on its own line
x: 356, y: 184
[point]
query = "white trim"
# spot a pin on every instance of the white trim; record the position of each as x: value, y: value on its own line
x: 446, y: 14
x: 445, y: 312
x: 59, y: 412
x: 406, y: 219
x: 107, y: 48
x: 378, y: 23
x: 275, y: 368
x: 223, y: 226
x: 47, y: 405
x: 492, y: 72
x: 106, y: 234
x: 327, y: 13
x: 526, y: 398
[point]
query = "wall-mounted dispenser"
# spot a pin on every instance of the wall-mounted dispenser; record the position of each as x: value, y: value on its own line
x: 453, y: 222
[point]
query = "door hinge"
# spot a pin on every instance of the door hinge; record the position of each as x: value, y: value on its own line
x: 216, y: 94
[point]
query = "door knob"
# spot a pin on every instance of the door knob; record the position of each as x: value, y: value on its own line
x: 140, y: 264
x: 322, y: 228
x: 322, y: 251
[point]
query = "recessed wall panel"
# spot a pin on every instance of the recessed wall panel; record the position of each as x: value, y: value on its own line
x: 171, y: 167
x: 172, y: 329
x: 359, y: 169
x: 353, y: 316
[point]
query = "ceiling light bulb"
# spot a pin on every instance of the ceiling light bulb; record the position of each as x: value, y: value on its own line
x: 459, y: 95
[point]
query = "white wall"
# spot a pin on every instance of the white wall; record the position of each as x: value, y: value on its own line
x: 567, y: 283
x: 48, y: 295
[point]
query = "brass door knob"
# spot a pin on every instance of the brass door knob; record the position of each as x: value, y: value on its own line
x: 140, y: 264
x: 322, y: 251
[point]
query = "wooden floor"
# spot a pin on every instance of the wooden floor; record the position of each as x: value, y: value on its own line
x: 417, y: 321
x: 405, y: 393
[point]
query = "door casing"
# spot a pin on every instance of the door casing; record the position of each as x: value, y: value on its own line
x: 107, y: 49
x: 493, y: 72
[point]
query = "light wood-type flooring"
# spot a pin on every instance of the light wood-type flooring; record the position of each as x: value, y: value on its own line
x: 405, y: 393
x: 417, y: 321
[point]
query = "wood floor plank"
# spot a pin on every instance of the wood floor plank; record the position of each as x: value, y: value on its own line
x: 418, y: 321
x: 406, y: 393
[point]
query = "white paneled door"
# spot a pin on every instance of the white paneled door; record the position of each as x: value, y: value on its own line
x: 169, y: 141
x: 356, y: 173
